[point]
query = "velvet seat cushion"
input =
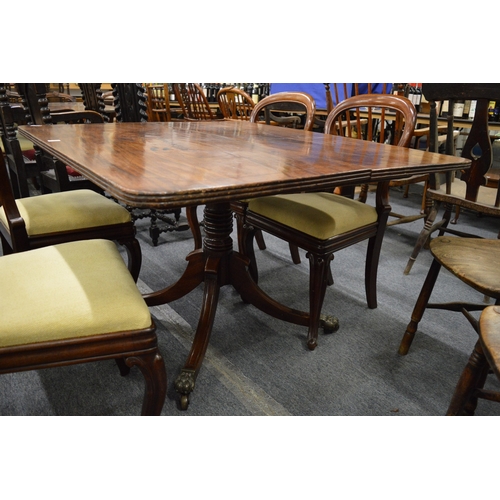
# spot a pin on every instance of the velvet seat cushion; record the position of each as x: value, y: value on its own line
x: 68, y: 210
x: 65, y: 291
x: 321, y: 215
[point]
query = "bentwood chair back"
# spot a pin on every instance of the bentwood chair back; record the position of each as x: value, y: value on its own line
x: 235, y: 103
x: 323, y: 223
x: 284, y: 109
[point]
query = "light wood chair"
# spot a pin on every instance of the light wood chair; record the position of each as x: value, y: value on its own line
x: 193, y: 102
x: 467, y: 190
x: 471, y: 259
x: 77, y: 303
x: 234, y: 103
x: 484, y: 357
x: 48, y: 219
x: 323, y: 223
x: 158, y: 103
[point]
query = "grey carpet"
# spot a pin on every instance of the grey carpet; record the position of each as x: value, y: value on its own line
x: 257, y: 365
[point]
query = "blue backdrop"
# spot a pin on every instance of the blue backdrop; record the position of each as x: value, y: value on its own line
x: 317, y: 90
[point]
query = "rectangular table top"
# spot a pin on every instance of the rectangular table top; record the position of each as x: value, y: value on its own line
x: 175, y: 164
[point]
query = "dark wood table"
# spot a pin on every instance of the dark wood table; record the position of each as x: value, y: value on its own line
x: 181, y: 164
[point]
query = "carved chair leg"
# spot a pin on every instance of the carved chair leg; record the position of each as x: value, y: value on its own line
x: 259, y: 238
x: 464, y: 401
x: 420, y: 306
x: 371, y: 269
x: 294, y: 252
x: 155, y: 376
x: 123, y: 367
x: 318, y: 279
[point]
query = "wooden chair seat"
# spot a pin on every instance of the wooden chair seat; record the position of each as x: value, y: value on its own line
x: 469, y: 259
x: 484, y: 357
x: 75, y: 303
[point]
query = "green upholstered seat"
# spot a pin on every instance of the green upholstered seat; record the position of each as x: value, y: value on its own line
x: 64, y: 291
x: 321, y: 215
x: 67, y: 211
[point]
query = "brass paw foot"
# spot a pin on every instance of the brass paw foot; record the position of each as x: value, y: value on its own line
x: 330, y: 323
x: 184, y: 385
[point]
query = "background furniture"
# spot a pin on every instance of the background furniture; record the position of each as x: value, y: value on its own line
x: 130, y: 101
x: 235, y: 103
x: 322, y: 223
x: 158, y: 103
x: 55, y: 176
x: 467, y: 189
x: 193, y: 101
x: 484, y: 357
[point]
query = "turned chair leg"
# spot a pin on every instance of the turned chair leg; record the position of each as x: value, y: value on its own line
x: 318, y: 279
x: 420, y: 306
x: 473, y: 377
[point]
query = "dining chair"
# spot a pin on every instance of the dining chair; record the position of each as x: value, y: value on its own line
x: 19, y: 155
x: 235, y: 103
x: 468, y: 190
x: 385, y: 130
x: 296, y: 107
x: 47, y: 219
x: 158, y: 103
x: 93, y: 100
x: 75, y: 303
x: 322, y: 223
x: 485, y: 358
x: 193, y: 102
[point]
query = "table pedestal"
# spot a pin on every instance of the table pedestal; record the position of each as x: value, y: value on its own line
x: 216, y: 265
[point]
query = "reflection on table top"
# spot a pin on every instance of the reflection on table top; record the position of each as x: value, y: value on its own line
x: 187, y: 163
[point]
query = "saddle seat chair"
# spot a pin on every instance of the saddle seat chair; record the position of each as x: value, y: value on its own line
x: 322, y: 223
x: 77, y: 303
x: 470, y: 258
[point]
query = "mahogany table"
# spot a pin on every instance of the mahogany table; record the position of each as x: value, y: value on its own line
x: 182, y: 164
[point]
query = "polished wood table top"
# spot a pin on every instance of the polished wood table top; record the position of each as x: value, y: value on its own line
x: 184, y: 164
x: 176, y: 164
